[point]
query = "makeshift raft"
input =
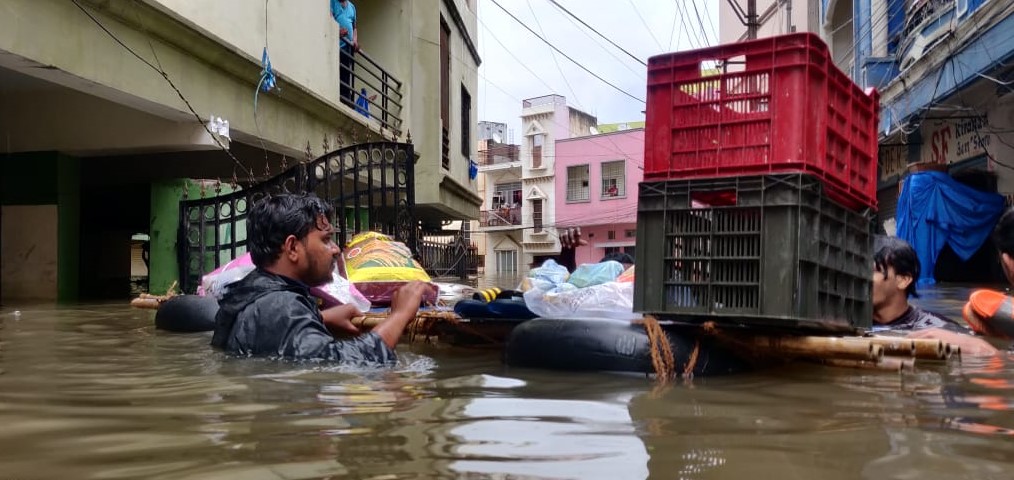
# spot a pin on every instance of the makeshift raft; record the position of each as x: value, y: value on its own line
x: 647, y: 346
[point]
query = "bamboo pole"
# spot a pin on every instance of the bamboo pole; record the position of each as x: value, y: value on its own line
x: 819, y: 347
x: 371, y: 320
x: 895, y: 345
x: 893, y: 364
x: 928, y: 349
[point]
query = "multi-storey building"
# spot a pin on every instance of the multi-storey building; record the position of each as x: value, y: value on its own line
x: 596, y: 189
x: 104, y: 108
x: 942, y: 69
x: 500, y: 220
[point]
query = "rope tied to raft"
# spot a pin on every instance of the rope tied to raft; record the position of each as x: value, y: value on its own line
x: 662, y: 359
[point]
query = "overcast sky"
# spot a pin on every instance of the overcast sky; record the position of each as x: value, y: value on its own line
x: 642, y: 27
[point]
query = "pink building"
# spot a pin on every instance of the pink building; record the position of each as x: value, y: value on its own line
x: 596, y: 189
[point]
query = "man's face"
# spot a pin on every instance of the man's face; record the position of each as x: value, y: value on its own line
x: 320, y: 254
x: 888, y: 286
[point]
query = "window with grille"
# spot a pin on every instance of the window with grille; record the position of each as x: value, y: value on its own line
x: 537, y: 151
x: 537, y: 216
x: 613, y: 179
x: 507, y: 261
x: 577, y: 183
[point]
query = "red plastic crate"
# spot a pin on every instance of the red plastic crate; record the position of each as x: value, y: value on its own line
x: 773, y: 105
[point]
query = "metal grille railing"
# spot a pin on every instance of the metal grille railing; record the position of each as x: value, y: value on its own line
x: 371, y: 186
x: 383, y: 91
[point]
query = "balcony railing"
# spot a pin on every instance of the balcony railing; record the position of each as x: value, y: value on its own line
x: 446, y: 259
x: 383, y: 99
x: 500, y: 217
x: 925, y: 27
x: 498, y: 155
x: 445, y: 148
x: 543, y: 100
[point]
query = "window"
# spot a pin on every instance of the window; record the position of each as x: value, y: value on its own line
x: 507, y: 261
x: 630, y: 233
x: 445, y: 89
x: 466, y: 123
x: 507, y: 194
x: 628, y: 250
x: 611, y: 235
x: 577, y: 183
x: 537, y: 151
x: 613, y: 182
x: 537, y: 216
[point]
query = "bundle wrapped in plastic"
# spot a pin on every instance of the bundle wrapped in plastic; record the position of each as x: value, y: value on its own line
x: 555, y: 294
x: 338, y: 291
x: 217, y: 282
x: 591, y: 274
x: 378, y: 266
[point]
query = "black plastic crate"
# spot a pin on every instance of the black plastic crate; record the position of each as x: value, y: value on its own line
x: 756, y: 251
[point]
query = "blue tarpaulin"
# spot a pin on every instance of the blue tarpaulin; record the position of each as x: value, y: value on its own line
x: 935, y: 210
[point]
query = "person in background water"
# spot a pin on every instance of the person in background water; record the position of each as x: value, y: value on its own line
x: 1003, y: 238
x: 270, y: 311
x: 895, y: 270
x: 991, y: 312
x: 344, y: 12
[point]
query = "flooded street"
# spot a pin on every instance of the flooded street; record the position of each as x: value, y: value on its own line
x: 96, y: 392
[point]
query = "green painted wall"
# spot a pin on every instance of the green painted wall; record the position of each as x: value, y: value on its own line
x: 165, y: 221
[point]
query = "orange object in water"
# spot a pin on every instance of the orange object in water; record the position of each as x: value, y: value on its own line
x: 990, y: 313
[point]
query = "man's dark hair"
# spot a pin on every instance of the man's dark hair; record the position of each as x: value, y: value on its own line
x: 897, y: 253
x: 1003, y: 233
x: 621, y: 257
x: 276, y: 217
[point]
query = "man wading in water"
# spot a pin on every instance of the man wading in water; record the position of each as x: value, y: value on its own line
x: 270, y: 311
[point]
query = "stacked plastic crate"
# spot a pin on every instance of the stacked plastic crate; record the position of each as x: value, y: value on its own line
x: 760, y: 181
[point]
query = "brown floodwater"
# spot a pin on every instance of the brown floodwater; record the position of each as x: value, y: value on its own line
x: 94, y: 391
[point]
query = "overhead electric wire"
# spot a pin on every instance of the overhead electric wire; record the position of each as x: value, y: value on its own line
x: 575, y: 62
x: 589, y: 27
x: 645, y: 23
x: 553, y: 55
x: 165, y: 76
x: 701, y: 23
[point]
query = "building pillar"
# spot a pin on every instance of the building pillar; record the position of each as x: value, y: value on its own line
x: 163, y: 267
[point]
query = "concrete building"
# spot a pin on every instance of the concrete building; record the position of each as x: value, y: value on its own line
x: 500, y: 223
x: 774, y: 17
x: 520, y: 222
x: 943, y: 71
x: 946, y: 101
x: 99, y: 109
x: 596, y: 189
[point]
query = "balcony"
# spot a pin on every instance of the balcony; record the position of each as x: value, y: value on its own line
x: 928, y: 23
x: 376, y: 94
x: 499, y: 157
x: 500, y: 217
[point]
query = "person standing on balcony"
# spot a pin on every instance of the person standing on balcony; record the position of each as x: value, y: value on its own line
x: 344, y: 12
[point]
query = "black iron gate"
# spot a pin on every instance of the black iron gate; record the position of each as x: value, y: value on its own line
x: 371, y: 186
